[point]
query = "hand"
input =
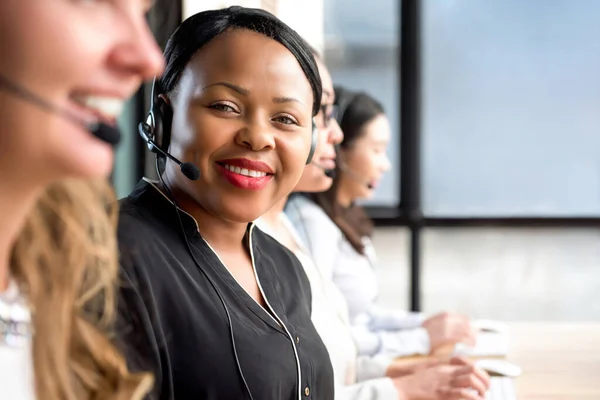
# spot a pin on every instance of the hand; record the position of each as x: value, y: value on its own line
x: 458, y: 380
x: 449, y: 329
x: 401, y: 367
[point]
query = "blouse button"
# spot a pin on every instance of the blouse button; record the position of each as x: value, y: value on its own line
x: 306, y: 391
x: 297, y: 339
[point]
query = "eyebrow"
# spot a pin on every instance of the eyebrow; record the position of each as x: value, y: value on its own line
x: 280, y: 100
x: 231, y: 86
x: 244, y: 92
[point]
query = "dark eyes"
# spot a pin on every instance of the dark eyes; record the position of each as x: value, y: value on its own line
x: 228, y: 108
x: 285, y: 120
x: 224, y: 107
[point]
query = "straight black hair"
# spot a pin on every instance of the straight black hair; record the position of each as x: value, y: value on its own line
x: 356, y: 109
x: 201, y: 28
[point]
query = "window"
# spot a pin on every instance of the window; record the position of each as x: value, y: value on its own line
x: 511, y: 108
x: 361, y: 51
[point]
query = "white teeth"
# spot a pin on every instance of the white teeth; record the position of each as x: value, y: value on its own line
x: 246, y: 172
x: 109, y: 106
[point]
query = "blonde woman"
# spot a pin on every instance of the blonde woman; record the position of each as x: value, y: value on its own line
x: 66, y: 67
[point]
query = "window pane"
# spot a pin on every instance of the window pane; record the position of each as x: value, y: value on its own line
x: 125, y: 170
x: 511, y: 101
x: 361, y: 47
x: 535, y: 274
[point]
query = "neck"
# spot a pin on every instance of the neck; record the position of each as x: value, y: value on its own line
x: 222, y: 235
x: 344, y: 198
x: 16, y: 201
x: 271, y: 217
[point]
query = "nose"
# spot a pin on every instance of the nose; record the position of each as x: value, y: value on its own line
x: 255, y: 136
x: 139, y: 54
x: 336, y: 136
x: 386, y: 165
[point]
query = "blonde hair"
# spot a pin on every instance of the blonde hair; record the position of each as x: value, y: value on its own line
x: 65, y: 261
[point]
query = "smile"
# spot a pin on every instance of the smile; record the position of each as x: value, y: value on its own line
x: 91, y: 109
x: 246, y: 172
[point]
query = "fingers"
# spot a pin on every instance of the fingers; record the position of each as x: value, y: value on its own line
x: 483, y: 376
x: 462, y: 394
x: 463, y: 333
x: 471, y: 376
x: 469, y: 381
x: 457, y: 360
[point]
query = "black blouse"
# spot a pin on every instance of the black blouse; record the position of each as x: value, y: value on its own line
x: 172, y: 323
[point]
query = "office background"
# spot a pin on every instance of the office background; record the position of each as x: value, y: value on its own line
x: 493, y: 204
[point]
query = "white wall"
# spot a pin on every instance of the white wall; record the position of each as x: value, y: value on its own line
x: 304, y: 16
x: 191, y: 7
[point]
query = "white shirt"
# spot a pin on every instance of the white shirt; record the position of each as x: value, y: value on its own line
x: 376, y: 330
x: 330, y: 317
x: 16, y: 362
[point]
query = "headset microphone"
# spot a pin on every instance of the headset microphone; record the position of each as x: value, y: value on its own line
x: 330, y: 173
x: 102, y: 131
x: 353, y: 175
x: 106, y: 133
x: 188, y: 169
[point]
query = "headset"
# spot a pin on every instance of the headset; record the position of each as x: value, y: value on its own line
x: 107, y: 133
x: 158, y: 125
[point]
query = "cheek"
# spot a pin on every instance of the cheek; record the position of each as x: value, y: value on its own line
x: 63, y: 45
x: 292, y: 154
x: 322, y: 142
x: 196, y: 136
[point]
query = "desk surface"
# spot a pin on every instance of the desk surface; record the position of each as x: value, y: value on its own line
x: 560, y: 361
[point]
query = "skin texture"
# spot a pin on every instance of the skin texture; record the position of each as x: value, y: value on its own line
x: 313, y: 179
x: 57, y: 48
x: 102, y: 48
x: 365, y: 161
x: 243, y: 95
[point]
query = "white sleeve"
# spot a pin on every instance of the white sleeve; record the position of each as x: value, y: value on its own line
x: 408, y: 342
x: 390, y: 319
x: 374, y: 389
x: 372, y: 367
x: 399, y: 343
x: 318, y: 233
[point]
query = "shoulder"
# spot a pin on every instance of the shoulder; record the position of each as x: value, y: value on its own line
x: 303, y: 206
x: 310, y: 219
x: 142, y: 241
x: 279, y: 261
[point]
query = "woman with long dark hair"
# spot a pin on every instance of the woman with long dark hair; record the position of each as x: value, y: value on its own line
x: 357, y: 377
x: 338, y: 231
x: 213, y: 306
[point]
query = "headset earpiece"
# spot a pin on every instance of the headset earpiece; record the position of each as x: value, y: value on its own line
x: 313, y: 141
x: 158, y: 121
x: 152, y: 129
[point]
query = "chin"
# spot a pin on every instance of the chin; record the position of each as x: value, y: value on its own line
x: 88, y: 165
x: 323, y: 185
x: 84, y: 157
x: 315, y: 183
x: 366, y: 194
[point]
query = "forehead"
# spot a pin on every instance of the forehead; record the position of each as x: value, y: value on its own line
x: 378, y: 130
x: 326, y: 82
x: 252, y: 61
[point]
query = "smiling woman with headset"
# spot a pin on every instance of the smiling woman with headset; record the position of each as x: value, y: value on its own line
x: 66, y: 70
x: 213, y: 306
